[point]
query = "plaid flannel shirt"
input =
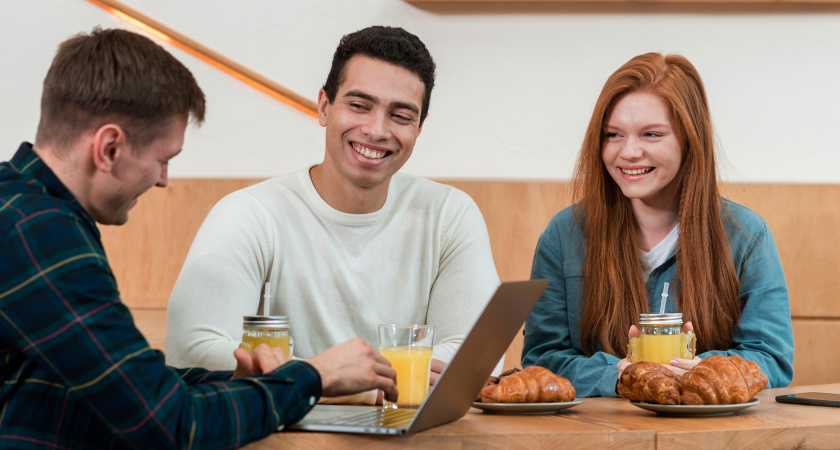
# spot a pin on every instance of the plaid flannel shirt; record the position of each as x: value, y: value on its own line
x: 76, y: 372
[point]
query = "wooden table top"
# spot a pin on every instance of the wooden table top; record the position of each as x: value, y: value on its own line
x: 608, y: 423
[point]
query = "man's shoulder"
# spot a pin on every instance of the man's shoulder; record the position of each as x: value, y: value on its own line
x: 271, y: 190
x: 24, y: 202
x: 423, y: 189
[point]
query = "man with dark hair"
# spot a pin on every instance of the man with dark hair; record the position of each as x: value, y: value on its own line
x: 347, y: 244
x: 76, y: 372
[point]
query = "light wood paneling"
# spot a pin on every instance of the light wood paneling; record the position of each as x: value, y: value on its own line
x: 805, y: 221
x: 817, y: 351
x: 516, y: 213
x: 148, y: 252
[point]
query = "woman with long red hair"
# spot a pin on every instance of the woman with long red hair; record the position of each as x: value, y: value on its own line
x: 648, y: 211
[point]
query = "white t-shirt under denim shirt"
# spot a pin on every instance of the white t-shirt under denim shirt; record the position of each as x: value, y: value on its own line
x: 659, y: 254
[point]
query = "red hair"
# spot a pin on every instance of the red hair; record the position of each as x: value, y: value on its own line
x: 706, y: 282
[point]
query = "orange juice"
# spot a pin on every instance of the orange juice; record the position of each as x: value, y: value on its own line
x: 269, y: 330
x: 661, y: 339
x: 662, y: 348
x: 412, y: 365
x: 251, y: 342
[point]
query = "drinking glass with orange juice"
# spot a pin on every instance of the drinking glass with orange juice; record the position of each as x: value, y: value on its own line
x: 661, y: 339
x: 409, y: 350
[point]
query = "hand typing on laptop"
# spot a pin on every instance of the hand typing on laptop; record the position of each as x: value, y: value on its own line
x: 347, y: 368
x: 352, y: 367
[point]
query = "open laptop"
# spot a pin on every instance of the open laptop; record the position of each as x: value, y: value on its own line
x: 458, y: 385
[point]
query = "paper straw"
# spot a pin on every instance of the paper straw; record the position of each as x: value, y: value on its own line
x: 266, y: 299
x: 664, y: 299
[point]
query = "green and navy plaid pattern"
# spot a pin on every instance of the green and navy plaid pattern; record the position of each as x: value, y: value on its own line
x: 76, y: 372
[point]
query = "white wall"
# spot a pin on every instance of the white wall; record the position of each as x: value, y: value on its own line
x: 516, y: 81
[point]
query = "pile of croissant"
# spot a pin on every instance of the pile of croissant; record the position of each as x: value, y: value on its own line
x: 531, y: 385
x: 717, y: 380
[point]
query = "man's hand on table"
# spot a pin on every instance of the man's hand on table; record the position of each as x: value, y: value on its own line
x: 353, y: 367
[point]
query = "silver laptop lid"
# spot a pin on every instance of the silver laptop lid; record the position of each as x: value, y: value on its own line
x: 462, y: 379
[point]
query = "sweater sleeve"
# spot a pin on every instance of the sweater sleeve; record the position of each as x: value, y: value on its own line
x: 764, y: 333
x: 466, y: 276
x: 550, y: 328
x: 220, y: 281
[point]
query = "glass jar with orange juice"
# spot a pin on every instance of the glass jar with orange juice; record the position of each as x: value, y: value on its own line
x: 270, y: 330
x: 661, y: 339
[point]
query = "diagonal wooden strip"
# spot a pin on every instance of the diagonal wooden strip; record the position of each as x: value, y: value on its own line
x: 209, y: 56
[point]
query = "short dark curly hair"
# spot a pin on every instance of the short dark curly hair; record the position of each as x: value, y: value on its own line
x: 393, y: 45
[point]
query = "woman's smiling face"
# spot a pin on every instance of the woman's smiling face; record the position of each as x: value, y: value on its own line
x: 642, y: 151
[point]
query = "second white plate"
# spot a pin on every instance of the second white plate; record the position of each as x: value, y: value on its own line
x: 694, y: 410
x: 525, y: 408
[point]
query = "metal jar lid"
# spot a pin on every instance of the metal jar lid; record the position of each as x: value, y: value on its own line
x: 661, y: 319
x: 265, y: 322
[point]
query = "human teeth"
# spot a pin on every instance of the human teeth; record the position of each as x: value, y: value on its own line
x: 636, y: 171
x: 368, y: 153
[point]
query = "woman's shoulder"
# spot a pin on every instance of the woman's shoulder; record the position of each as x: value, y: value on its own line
x: 565, y: 225
x: 565, y: 218
x: 744, y: 216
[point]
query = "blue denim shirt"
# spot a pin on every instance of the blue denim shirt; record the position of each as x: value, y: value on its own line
x: 552, y: 331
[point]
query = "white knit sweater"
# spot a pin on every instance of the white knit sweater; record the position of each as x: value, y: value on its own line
x: 424, y: 257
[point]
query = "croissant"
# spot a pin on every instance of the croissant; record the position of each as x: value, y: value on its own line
x: 531, y: 385
x: 650, y: 383
x: 722, y: 380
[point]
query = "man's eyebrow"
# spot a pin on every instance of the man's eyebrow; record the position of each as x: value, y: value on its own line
x: 397, y: 105
x: 361, y: 95
x: 408, y: 106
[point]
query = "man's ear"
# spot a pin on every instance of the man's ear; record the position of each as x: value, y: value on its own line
x: 323, y: 107
x: 420, y: 128
x: 109, y: 142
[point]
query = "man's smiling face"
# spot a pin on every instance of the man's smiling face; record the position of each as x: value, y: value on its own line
x: 372, y: 124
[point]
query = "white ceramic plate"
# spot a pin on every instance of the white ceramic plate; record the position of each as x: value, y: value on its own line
x: 525, y: 408
x: 694, y: 410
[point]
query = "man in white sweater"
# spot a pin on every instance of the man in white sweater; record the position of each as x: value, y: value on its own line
x: 348, y: 244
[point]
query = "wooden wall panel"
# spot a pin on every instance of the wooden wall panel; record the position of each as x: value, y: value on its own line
x: 148, y: 252
x: 516, y: 213
x: 805, y: 221
x: 817, y: 357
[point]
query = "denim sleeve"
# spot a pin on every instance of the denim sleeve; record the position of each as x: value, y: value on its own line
x: 551, y: 329
x: 764, y: 333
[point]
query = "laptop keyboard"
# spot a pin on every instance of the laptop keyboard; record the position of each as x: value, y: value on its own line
x: 378, y: 417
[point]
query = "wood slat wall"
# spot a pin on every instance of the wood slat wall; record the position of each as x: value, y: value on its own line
x: 148, y: 252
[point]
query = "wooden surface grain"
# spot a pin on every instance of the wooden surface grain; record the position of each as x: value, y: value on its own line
x: 608, y: 423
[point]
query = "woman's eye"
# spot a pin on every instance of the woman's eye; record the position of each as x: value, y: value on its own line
x: 652, y: 134
x: 610, y: 135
